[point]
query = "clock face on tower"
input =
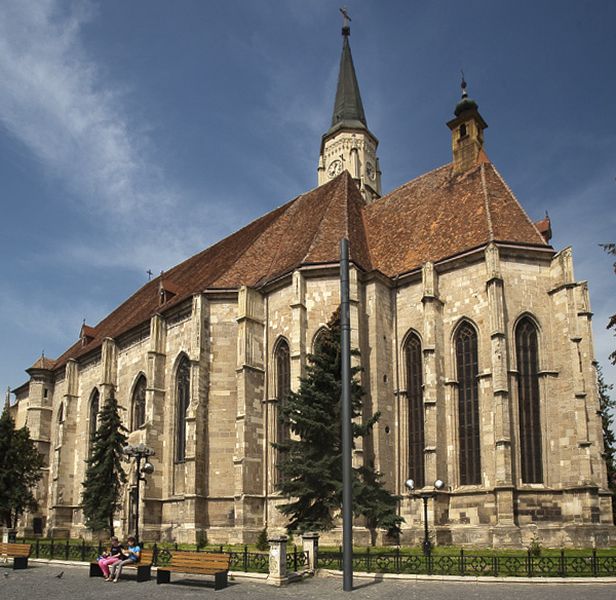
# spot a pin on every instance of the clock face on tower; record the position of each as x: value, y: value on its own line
x: 335, y: 168
x: 370, y: 172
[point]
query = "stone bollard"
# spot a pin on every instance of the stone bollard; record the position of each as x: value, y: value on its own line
x: 277, y: 560
x: 310, y: 544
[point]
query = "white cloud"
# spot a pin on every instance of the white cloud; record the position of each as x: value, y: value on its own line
x: 55, y: 322
x: 53, y: 100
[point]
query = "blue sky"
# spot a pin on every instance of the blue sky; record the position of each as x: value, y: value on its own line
x: 134, y: 134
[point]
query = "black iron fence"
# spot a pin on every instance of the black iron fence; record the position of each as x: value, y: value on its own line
x: 242, y: 560
x: 465, y: 564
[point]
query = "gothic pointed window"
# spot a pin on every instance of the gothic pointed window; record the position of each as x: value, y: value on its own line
x: 282, y: 359
x: 318, y: 340
x: 468, y: 405
x: 528, y: 401
x: 414, y: 393
x: 93, y: 415
x: 138, y: 403
x: 182, y: 399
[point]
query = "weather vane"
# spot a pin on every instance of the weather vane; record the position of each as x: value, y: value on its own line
x: 463, y: 85
x: 346, y: 28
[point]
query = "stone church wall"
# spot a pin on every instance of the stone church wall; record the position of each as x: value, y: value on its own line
x: 225, y: 490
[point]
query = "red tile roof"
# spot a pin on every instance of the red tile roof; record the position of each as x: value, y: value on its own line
x: 43, y: 363
x: 435, y: 216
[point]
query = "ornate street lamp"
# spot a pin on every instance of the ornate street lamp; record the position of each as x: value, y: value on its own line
x: 139, y: 453
x: 425, y: 496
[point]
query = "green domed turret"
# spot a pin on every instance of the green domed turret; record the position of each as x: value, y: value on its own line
x: 465, y: 103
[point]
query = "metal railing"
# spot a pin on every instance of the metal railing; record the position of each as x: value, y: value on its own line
x: 464, y: 564
x: 242, y: 560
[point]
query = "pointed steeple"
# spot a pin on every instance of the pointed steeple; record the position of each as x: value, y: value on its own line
x: 348, y: 107
x: 348, y: 144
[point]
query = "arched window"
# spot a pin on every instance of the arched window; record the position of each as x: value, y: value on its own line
x: 468, y: 405
x: 528, y: 401
x: 182, y: 395
x: 93, y: 415
x: 283, y: 383
x: 138, y: 403
x: 318, y: 340
x: 414, y: 393
x: 282, y: 360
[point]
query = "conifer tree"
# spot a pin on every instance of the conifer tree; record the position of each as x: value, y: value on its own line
x: 310, y: 463
x: 611, y: 249
x: 607, y: 406
x: 104, y: 475
x: 20, y: 471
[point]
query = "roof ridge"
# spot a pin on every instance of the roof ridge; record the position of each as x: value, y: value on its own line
x: 418, y: 178
x: 292, y: 204
x: 486, y: 200
x: 318, y: 227
x: 515, y: 199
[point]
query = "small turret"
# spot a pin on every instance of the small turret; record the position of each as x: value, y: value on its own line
x: 466, y: 132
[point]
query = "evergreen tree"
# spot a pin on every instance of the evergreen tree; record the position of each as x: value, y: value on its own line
x: 611, y: 249
x: 607, y: 406
x: 310, y: 463
x: 104, y: 475
x: 20, y: 471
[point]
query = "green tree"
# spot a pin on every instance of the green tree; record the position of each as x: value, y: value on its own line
x: 20, y: 471
x: 606, y: 407
x: 611, y: 249
x: 104, y: 475
x: 310, y: 463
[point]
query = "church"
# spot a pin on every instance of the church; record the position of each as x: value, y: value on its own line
x: 474, y: 337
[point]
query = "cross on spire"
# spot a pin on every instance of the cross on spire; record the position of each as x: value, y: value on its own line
x: 346, y: 28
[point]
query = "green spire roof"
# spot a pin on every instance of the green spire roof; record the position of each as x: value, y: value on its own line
x: 348, y: 109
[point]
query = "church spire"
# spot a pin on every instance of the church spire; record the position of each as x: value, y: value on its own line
x: 348, y: 107
x: 348, y: 144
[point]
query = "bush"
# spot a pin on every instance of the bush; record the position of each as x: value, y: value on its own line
x: 262, y: 540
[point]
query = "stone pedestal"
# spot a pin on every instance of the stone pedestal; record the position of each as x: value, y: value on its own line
x: 310, y: 544
x: 277, y: 561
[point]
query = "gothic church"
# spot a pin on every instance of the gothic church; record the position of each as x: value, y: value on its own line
x: 475, y: 339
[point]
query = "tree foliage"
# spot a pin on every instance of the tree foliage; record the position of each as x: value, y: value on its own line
x: 607, y: 406
x: 310, y: 463
x: 104, y: 474
x: 20, y: 471
x: 611, y: 249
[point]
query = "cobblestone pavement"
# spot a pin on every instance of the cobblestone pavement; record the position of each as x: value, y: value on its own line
x: 41, y: 582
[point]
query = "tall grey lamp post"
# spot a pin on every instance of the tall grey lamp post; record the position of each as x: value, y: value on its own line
x: 139, y: 452
x: 425, y: 496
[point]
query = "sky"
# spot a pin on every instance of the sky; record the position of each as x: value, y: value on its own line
x: 135, y: 134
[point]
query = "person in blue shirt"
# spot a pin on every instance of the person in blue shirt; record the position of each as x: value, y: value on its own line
x: 134, y: 554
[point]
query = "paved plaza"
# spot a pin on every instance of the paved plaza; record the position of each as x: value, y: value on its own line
x: 41, y: 582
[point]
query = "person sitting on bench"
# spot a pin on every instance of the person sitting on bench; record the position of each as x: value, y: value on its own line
x: 134, y: 554
x: 114, y: 555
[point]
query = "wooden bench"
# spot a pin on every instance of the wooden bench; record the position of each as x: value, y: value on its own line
x: 197, y: 563
x: 18, y: 552
x: 144, y: 566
